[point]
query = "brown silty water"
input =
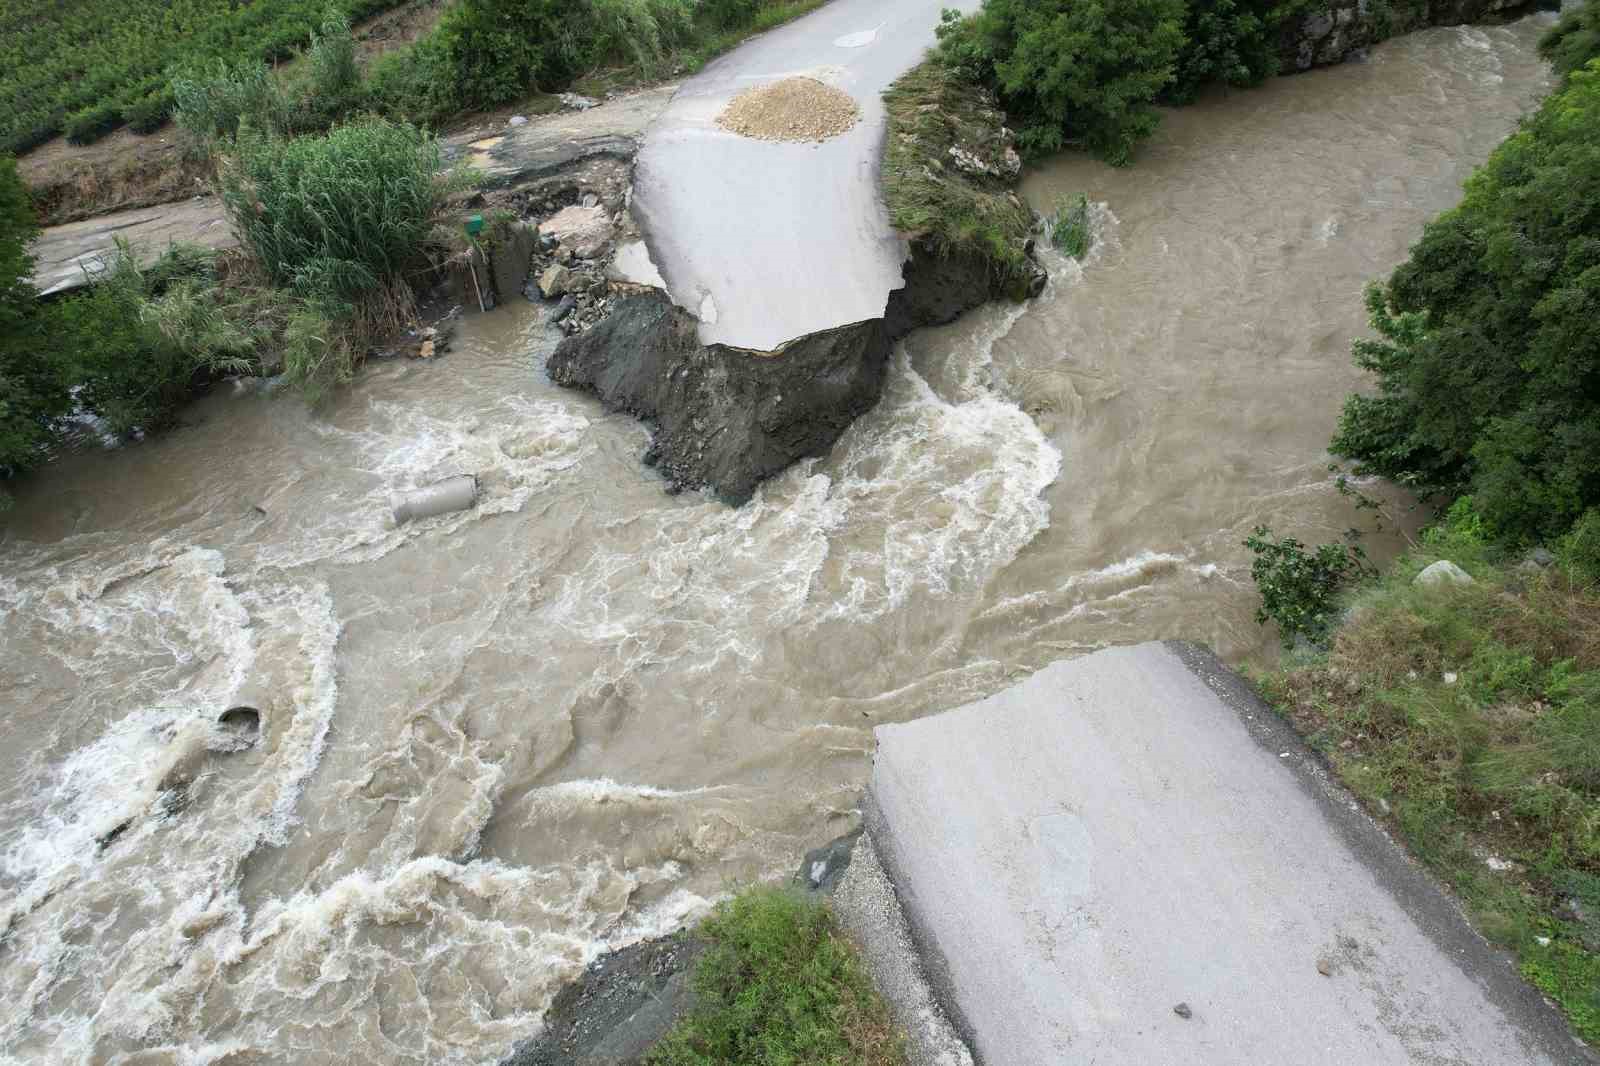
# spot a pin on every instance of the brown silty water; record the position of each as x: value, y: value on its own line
x: 496, y: 742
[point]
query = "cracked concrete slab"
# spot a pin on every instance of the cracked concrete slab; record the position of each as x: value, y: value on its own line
x: 768, y: 241
x: 1128, y: 859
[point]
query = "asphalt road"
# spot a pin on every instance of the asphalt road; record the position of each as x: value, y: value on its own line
x: 1130, y: 831
x: 766, y: 242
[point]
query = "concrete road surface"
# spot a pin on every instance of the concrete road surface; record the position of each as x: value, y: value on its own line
x: 766, y: 242
x: 1131, y: 831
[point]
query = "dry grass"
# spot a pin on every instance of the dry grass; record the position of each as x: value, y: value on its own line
x: 932, y: 200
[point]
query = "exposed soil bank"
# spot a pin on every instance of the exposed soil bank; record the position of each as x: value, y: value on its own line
x: 726, y: 418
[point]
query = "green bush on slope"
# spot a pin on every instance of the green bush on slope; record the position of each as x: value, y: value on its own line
x: 1488, y: 352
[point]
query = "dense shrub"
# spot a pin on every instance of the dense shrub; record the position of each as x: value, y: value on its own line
x: 92, y: 123
x: 215, y: 102
x: 1298, y: 587
x: 150, y: 112
x: 493, y: 51
x: 1071, y: 71
x: 338, y: 214
x: 345, y: 222
x: 33, y: 394
x: 1573, y: 41
x: 1488, y: 351
x: 138, y: 340
x: 1230, y: 41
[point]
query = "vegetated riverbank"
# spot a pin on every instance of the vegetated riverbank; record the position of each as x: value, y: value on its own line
x: 1459, y: 692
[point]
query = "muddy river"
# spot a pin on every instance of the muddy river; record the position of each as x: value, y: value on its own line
x: 494, y: 743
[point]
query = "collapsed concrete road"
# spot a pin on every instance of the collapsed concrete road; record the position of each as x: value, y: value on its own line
x: 765, y: 241
x: 1129, y: 859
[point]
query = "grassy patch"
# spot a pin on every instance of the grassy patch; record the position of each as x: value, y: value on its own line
x: 1070, y: 229
x: 934, y: 200
x: 780, y: 986
x: 1469, y: 718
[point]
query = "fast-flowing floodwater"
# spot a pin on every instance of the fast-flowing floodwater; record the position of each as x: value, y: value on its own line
x: 495, y: 742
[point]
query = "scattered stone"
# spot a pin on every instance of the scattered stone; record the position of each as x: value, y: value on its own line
x: 1541, y: 557
x: 575, y: 102
x: 1451, y: 677
x: 1183, y: 1011
x: 590, y: 200
x: 426, y: 351
x: 553, y: 282
x: 793, y: 109
x: 564, y: 308
x: 1443, y: 572
x: 1324, y: 967
x: 517, y: 120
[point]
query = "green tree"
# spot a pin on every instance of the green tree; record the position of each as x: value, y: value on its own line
x: 1572, y: 42
x: 1488, y: 352
x: 1230, y: 41
x: 34, y: 391
x: 1081, y: 72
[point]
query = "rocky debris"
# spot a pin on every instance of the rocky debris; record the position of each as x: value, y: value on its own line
x: 555, y: 281
x: 575, y: 102
x: 1005, y: 163
x: 517, y: 120
x: 823, y: 868
x: 584, y: 228
x: 793, y: 109
x: 622, y: 1005
x: 1443, y: 572
x: 1184, y: 1011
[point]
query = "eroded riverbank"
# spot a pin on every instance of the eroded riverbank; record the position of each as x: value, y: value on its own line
x: 505, y: 738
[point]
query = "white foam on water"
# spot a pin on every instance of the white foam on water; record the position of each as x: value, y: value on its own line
x: 516, y: 449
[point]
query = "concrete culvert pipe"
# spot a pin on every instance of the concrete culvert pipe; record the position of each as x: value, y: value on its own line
x: 442, y: 497
x: 242, y: 716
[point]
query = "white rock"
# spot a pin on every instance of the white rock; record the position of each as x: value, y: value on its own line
x: 517, y: 120
x: 1443, y: 572
x: 585, y: 230
x: 1449, y: 677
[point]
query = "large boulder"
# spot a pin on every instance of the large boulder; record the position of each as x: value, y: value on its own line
x: 1443, y: 572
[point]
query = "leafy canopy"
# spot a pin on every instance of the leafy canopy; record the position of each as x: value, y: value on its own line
x: 1079, y: 72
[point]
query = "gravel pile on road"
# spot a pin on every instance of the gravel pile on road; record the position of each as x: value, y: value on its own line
x: 794, y: 109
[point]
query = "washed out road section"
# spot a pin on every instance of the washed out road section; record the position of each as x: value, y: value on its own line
x: 767, y: 241
x: 1127, y: 859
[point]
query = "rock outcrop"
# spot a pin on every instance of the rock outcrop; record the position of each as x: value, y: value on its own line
x: 1333, y: 32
